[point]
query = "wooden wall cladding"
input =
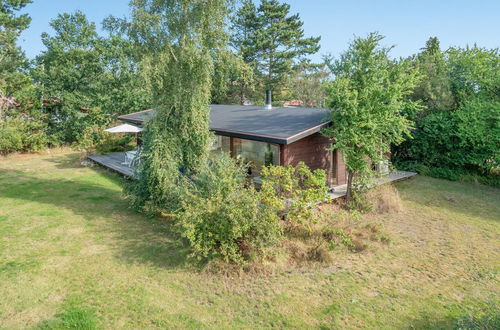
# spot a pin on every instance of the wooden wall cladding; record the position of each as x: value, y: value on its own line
x: 312, y: 151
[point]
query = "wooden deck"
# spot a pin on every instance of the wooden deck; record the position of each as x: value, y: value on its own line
x: 341, y: 191
x: 114, y: 162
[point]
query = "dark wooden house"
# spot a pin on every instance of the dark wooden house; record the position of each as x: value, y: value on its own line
x: 280, y: 136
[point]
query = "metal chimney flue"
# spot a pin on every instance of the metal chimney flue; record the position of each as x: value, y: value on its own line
x: 269, y: 101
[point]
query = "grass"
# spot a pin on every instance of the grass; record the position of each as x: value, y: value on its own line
x: 72, y: 255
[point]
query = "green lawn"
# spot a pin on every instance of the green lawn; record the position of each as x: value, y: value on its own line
x: 73, y: 254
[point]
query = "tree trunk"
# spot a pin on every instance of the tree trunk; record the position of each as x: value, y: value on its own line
x: 348, y: 196
x: 242, y: 95
x: 242, y: 90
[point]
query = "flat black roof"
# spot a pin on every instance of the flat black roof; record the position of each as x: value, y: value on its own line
x: 282, y: 125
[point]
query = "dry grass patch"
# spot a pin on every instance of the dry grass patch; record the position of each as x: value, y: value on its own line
x: 334, y: 231
x: 385, y: 199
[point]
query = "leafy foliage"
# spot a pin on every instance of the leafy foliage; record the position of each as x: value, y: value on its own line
x: 22, y: 128
x: 233, y: 79
x: 115, y: 143
x: 222, y: 217
x: 11, y: 138
x: 84, y: 80
x: 80, y: 71
x: 92, y: 132
x: 308, y: 84
x: 366, y: 100
x: 458, y: 135
x: 178, y: 65
x: 434, y: 89
x: 21, y: 134
x: 293, y: 192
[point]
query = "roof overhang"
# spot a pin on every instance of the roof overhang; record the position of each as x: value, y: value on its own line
x: 131, y: 121
x: 246, y: 135
x: 270, y: 138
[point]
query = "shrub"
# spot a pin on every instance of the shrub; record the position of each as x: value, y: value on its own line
x: 453, y: 173
x: 457, y: 140
x: 221, y: 217
x: 95, y: 139
x: 89, y: 139
x: 339, y: 236
x: 21, y: 134
x: 293, y: 192
x: 10, y: 138
x: 88, y: 130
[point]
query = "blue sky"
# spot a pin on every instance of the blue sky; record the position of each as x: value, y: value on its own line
x: 405, y: 23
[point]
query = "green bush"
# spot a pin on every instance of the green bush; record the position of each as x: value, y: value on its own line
x: 293, y: 191
x: 10, y: 138
x: 88, y: 139
x: 492, y: 178
x: 459, y: 145
x: 88, y: 130
x: 22, y: 135
x: 457, y: 137
x: 221, y: 217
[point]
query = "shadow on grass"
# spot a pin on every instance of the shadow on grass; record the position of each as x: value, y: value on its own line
x: 432, y: 322
x: 466, y: 198
x: 138, y: 239
x: 487, y: 317
x: 69, y: 161
x: 472, y: 200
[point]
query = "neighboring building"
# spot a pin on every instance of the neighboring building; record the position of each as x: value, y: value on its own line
x: 280, y: 136
x: 293, y: 103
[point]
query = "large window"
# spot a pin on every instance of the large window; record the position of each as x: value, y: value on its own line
x: 257, y: 154
x: 254, y: 153
x: 221, y: 143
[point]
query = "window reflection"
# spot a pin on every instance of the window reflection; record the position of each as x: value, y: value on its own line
x: 221, y: 143
x: 257, y: 154
x: 254, y: 153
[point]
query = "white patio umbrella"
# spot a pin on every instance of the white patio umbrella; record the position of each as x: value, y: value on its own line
x: 125, y: 128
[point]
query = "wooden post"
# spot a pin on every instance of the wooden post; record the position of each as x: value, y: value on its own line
x: 283, y: 155
x: 231, y: 147
x: 331, y: 168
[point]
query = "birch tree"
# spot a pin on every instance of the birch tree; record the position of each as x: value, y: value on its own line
x: 178, y: 39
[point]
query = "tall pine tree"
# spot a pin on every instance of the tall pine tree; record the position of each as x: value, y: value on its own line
x: 434, y: 89
x: 11, y: 56
x: 271, y: 40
